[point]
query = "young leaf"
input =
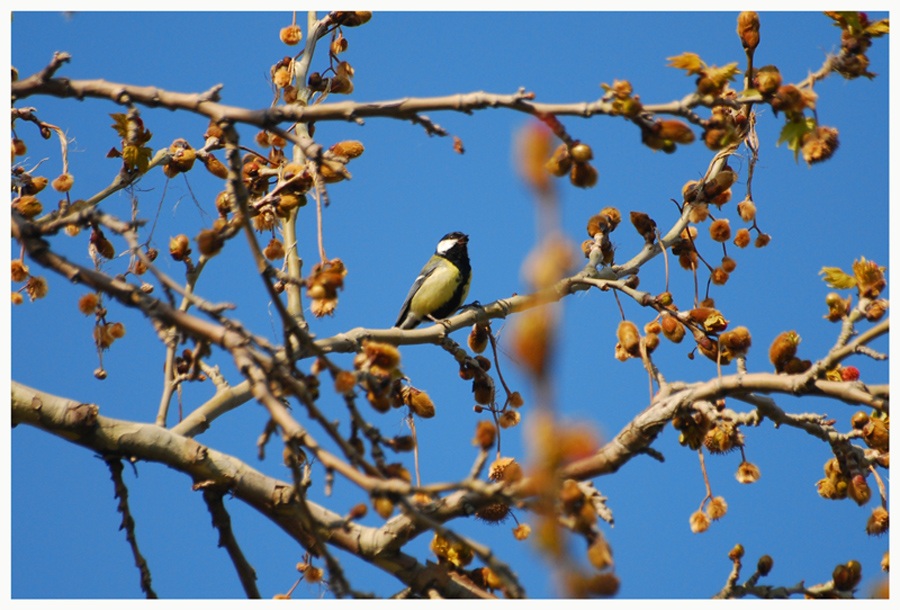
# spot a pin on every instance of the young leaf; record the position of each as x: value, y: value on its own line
x: 837, y: 278
x: 687, y: 61
x: 793, y: 132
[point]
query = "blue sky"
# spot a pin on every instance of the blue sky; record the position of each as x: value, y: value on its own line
x: 407, y: 190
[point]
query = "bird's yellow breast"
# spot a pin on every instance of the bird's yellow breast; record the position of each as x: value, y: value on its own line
x: 436, y: 290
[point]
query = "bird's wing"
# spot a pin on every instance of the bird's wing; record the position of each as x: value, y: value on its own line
x: 427, y: 270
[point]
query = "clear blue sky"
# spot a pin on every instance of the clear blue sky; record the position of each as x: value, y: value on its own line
x: 407, y: 190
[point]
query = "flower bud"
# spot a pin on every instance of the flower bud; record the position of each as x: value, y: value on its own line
x: 764, y: 565
x: 748, y: 29
x: 560, y: 162
x: 672, y: 329
x: 629, y: 338
x: 767, y: 80
x: 583, y: 175
x: 478, y: 338
x: 27, y: 205
x: 645, y: 226
x: 581, y: 153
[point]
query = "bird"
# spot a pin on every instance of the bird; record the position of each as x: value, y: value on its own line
x: 442, y: 283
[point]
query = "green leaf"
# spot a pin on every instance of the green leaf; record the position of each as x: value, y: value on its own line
x: 793, y: 132
x: 837, y: 278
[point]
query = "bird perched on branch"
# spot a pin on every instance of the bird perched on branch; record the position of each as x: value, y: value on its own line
x: 442, y: 284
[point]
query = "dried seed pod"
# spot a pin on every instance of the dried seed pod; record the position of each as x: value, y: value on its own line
x: 291, y: 35
x: 485, y: 434
x: 63, y: 183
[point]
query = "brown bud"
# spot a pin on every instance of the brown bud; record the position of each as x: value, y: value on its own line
x: 748, y: 29
x: 876, y: 434
x: 352, y: 19
x: 736, y: 341
x: 581, y: 153
x: 560, y: 162
x: 599, y: 554
x: 764, y: 565
x: 214, y: 166
x: 348, y: 148
x: 344, y: 382
x: 18, y: 148
x: 875, y: 310
x: 629, y: 338
x: 478, y: 338
x: 419, y: 402
x: 181, y: 158
x: 783, y: 349
x: 34, y: 185
x: 27, y: 205
x: 672, y: 329
x: 209, y: 242
x: 583, y: 175
x: 767, y: 80
x: 383, y: 506
x: 674, y: 131
x: 380, y: 354
x: 645, y: 226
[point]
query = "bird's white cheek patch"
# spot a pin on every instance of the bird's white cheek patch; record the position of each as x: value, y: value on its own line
x: 444, y: 245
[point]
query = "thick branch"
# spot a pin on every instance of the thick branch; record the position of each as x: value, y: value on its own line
x: 81, y: 424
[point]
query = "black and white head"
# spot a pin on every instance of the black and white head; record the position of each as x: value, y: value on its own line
x: 453, y: 247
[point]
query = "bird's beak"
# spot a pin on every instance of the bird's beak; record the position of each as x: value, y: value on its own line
x: 463, y: 240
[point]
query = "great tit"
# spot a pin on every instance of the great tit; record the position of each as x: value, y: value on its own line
x: 442, y: 284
